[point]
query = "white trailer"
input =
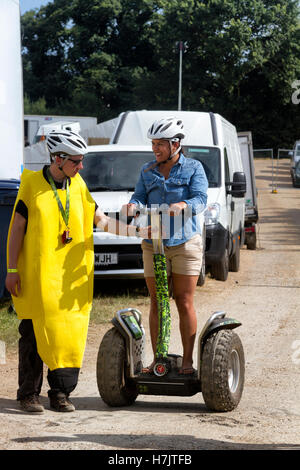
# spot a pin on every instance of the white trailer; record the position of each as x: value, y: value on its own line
x: 251, y: 208
x: 33, y: 122
x: 11, y: 91
x: 45, y: 129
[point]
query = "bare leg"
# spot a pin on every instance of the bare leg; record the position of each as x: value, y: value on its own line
x: 184, y: 290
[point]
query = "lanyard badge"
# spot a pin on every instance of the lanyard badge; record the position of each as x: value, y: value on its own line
x: 64, y: 212
x: 65, y: 238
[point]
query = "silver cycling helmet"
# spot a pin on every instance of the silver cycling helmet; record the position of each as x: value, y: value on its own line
x: 170, y: 129
x: 65, y: 143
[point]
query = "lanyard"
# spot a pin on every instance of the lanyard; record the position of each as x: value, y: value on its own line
x: 64, y: 212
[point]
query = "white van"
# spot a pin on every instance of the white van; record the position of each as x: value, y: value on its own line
x: 111, y: 173
x: 213, y: 140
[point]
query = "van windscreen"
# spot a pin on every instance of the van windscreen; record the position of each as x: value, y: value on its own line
x: 210, y: 159
x: 113, y: 171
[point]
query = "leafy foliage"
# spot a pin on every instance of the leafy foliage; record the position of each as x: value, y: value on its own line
x: 102, y: 57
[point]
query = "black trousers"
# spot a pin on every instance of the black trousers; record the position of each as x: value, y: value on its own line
x: 31, y: 368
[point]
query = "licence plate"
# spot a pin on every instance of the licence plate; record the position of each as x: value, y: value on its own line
x: 105, y: 259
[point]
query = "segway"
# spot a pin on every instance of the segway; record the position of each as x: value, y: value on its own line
x: 220, y: 356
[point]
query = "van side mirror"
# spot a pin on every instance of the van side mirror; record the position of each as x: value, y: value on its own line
x: 238, y: 185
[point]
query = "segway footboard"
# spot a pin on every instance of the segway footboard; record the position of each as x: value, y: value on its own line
x: 171, y: 384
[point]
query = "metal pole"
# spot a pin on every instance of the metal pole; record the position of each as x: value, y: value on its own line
x: 274, y: 190
x: 180, y: 75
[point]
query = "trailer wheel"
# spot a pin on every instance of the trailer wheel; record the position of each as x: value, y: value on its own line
x: 251, y: 241
x: 222, y: 371
x: 114, y: 387
x: 220, y: 269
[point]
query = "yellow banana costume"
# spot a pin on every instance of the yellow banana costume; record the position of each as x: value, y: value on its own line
x: 56, y: 278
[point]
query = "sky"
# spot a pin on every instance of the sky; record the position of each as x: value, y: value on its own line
x: 26, y: 5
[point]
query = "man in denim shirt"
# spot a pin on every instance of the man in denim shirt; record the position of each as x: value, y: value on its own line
x: 180, y: 184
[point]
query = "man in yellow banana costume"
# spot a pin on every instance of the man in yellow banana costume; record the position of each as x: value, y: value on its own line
x: 50, y: 270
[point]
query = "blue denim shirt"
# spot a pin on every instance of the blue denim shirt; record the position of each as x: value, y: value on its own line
x: 186, y: 182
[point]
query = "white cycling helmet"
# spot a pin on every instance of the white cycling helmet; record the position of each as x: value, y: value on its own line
x: 170, y: 129
x: 167, y: 128
x: 65, y: 143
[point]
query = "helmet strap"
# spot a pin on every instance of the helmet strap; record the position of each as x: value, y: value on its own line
x: 60, y: 167
x: 172, y: 155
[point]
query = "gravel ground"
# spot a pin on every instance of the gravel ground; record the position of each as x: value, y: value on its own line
x: 263, y: 295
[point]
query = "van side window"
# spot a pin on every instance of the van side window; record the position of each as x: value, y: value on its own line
x: 227, y: 172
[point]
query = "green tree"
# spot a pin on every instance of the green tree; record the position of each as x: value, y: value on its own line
x: 36, y: 107
x: 101, y: 57
x: 88, y: 56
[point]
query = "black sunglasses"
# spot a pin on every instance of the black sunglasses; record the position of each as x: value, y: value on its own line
x: 76, y: 162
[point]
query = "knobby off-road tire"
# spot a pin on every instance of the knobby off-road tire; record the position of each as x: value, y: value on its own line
x: 114, y: 388
x: 222, y: 371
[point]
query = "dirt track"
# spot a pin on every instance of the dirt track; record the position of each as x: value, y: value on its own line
x: 264, y: 296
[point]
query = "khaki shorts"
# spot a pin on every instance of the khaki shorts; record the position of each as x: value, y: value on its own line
x: 185, y: 258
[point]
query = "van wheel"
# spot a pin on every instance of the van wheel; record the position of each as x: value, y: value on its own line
x: 234, y: 262
x: 220, y: 270
x: 201, y: 278
x: 114, y: 387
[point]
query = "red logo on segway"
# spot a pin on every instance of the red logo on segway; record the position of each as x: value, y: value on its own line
x: 161, y: 369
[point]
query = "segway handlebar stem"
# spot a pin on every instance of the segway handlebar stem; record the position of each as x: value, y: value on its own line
x: 155, y: 214
x: 120, y: 324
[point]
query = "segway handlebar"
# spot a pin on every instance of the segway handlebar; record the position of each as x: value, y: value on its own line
x: 143, y: 210
x: 155, y: 214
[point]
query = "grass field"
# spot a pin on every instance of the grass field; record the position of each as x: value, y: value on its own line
x: 109, y: 297
x: 8, y: 324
